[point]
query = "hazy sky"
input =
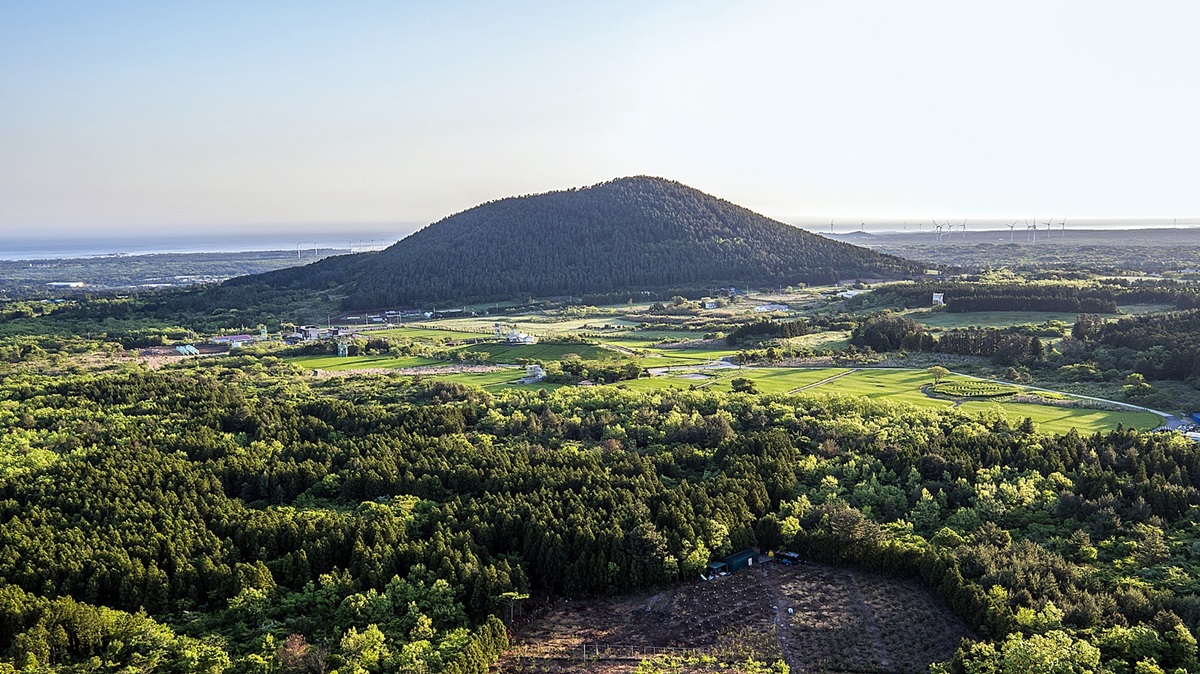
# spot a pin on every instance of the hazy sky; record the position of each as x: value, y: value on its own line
x: 120, y: 117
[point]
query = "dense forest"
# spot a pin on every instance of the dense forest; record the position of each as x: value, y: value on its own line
x: 965, y: 297
x: 1160, y: 346
x: 237, y: 516
x: 624, y: 235
x: 894, y: 332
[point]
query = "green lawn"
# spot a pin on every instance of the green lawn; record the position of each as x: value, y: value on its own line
x: 905, y: 385
x: 334, y: 363
x: 775, y: 379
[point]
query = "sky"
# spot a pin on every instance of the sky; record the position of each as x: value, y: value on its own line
x: 128, y: 118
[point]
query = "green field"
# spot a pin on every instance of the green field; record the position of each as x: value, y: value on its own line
x: 511, y: 353
x: 995, y: 319
x: 425, y: 334
x: 905, y: 386
x: 487, y: 380
x: 334, y: 363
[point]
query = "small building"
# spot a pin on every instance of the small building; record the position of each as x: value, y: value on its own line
x: 939, y: 299
x: 515, y: 337
x: 740, y: 560
x: 765, y: 308
x: 308, y: 332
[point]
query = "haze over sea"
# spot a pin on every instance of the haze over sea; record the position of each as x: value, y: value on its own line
x: 33, y: 248
x: 27, y: 247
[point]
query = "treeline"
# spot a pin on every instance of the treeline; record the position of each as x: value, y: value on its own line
x: 960, y: 297
x: 1158, y: 346
x: 374, y: 524
x: 894, y: 332
x: 627, y: 235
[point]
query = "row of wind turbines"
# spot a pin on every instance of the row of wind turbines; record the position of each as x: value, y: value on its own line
x: 947, y: 228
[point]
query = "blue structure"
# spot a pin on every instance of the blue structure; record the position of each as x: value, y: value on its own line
x: 1196, y: 417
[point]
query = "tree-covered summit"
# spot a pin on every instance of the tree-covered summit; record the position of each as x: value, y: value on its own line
x: 637, y: 233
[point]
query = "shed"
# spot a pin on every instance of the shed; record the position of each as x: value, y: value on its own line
x: 740, y: 560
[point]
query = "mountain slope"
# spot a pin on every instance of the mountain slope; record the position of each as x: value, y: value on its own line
x: 628, y: 234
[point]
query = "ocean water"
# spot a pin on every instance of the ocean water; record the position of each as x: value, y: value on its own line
x: 31, y: 248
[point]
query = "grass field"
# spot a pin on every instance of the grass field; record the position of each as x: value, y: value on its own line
x: 511, y: 353
x: 905, y: 386
x: 487, y: 380
x: 427, y: 334
x: 995, y: 319
x: 334, y: 363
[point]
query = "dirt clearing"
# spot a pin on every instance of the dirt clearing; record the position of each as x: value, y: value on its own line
x: 817, y: 618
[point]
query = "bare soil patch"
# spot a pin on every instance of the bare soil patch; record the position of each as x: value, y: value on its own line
x: 840, y: 620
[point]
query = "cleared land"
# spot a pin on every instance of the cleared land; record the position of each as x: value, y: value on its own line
x: 841, y: 621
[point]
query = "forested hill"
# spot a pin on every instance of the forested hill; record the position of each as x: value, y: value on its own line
x: 628, y: 234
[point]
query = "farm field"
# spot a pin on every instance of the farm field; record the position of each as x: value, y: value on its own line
x: 335, y: 363
x: 511, y: 353
x: 422, y: 333
x: 842, y: 621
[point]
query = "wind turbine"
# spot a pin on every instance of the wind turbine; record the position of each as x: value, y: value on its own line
x: 1010, y: 230
x: 1032, y: 229
x: 1064, y: 227
x: 831, y: 225
x: 939, y: 230
x: 964, y: 228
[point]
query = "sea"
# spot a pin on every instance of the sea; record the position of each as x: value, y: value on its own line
x: 31, y: 248
x: 28, y: 247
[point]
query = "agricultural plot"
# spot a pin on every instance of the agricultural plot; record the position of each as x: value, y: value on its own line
x: 427, y: 334
x: 337, y: 363
x: 840, y: 621
x: 511, y: 353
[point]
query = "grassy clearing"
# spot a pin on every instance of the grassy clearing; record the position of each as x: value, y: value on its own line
x: 335, y: 363
x: 834, y: 340
x: 994, y: 319
x: 487, y: 380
